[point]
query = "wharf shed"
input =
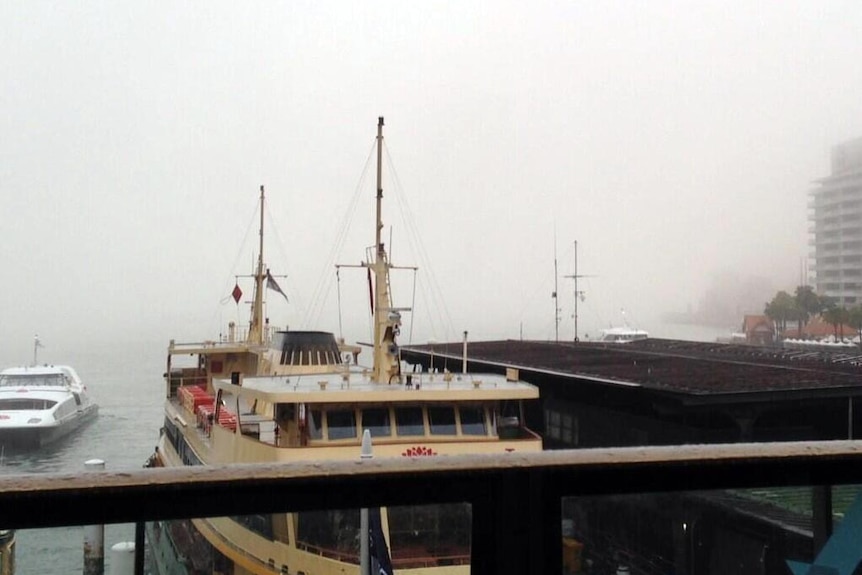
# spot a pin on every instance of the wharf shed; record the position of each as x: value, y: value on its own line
x: 662, y: 392
x: 668, y: 392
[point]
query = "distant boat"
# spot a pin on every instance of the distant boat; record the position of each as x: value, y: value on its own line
x: 624, y: 334
x: 42, y: 404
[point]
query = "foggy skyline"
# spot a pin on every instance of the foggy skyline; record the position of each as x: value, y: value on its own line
x: 675, y: 142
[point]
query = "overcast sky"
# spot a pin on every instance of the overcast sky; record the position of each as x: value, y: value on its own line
x: 676, y: 142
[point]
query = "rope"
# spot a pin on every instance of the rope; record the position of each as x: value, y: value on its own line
x: 295, y: 298
x: 412, y: 307
x: 324, y: 283
x: 338, y: 280
x: 432, y: 292
x: 217, y: 315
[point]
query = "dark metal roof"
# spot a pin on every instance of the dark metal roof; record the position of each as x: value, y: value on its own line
x: 691, y: 368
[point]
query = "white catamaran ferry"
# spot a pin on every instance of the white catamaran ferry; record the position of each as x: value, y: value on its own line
x: 40, y: 404
x: 293, y: 397
x: 623, y: 334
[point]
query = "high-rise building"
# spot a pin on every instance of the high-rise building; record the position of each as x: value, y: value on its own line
x: 836, y: 212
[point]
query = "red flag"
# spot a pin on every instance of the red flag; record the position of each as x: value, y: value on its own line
x: 236, y: 293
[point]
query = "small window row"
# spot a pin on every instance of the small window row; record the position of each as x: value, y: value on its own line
x: 345, y: 422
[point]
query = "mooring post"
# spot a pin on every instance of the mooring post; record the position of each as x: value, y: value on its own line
x: 94, y: 535
x: 364, y: 558
x: 123, y: 558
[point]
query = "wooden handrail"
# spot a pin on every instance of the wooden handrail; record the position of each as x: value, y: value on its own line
x: 516, y: 498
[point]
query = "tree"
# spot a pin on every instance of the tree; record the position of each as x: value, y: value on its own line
x: 781, y: 309
x: 808, y: 304
x: 837, y: 317
x: 855, y: 319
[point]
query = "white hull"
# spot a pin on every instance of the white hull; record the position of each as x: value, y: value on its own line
x: 36, y: 437
x: 41, y: 405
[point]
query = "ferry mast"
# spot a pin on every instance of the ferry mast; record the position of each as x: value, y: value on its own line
x: 255, y: 331
x: 387, y: 320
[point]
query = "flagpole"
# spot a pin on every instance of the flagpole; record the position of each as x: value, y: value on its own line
x: 36, y: 346
x: 364, y: 532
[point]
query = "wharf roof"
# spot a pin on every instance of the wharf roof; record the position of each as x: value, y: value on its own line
x: 679, y: 367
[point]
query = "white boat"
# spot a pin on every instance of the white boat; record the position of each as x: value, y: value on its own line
x: 623, y: 334
x: 42, y: 404
x: 295, y: 398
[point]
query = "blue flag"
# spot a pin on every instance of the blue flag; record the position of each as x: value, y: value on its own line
x: 378, y: 552
x: 271, y: 284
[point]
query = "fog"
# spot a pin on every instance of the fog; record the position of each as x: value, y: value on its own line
x: 676, y: 142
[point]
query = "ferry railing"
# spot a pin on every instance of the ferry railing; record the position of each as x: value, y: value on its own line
x: 516, y: 498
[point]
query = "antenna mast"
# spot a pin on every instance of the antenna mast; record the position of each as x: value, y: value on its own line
x: 575, y: 277
x: 555, y: 297
x: 578, y: 294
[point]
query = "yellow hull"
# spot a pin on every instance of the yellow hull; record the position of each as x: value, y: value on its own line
x: 246, y: 551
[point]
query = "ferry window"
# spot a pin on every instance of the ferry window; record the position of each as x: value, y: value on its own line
x: 441, y: 533
x: 332, y: 533
x: 473, y: 420
x: 569, y: 429
x: 509, y: 408
x: 441, y: 420
x: 409, y: 421
x: 341, y: 424
x: 315, y: 424
x: 24, y: 404
x: 14, y: 380
x: 286, y: 412
x: 552, y: 423
x: 376, y: 420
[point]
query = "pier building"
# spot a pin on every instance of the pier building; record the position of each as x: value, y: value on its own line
x: 666, y: 392
x: 669, y: 392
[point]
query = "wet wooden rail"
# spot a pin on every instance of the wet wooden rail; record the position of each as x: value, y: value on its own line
x: 515, y: 498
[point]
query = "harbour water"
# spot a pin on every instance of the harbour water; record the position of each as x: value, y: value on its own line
x: 126, y: 382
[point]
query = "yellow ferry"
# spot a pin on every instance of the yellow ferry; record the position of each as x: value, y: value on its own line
x: 7, y: 552
x: 301, y: 395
